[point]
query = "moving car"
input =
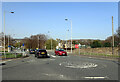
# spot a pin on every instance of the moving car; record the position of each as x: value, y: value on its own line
x: 41, y: 53
x: 60, y: 52
x: 32, y: 51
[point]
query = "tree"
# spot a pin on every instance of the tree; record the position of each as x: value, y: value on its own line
x: 35, y: 41
x: 107, y: 44
x: 96, y: 43
x: 6, y: 40
x: 48, y: 44
x: 74, y: 42
x: 116, y: 40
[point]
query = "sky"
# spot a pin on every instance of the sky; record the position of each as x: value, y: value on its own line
x: 90, y: 20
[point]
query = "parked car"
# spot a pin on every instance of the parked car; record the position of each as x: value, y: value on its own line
x: 60, y: 52
x: 32, y: 51
x: 41, y: 53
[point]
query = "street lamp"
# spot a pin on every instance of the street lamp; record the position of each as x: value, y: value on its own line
x: 71, y: 33
x: 4, y: 33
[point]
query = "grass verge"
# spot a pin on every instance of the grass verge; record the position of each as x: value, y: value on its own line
x: 12, y: 55
x: 99, y: 54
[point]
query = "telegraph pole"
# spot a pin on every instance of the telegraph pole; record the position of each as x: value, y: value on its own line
x: 71, y: 36
x: 112, y: 37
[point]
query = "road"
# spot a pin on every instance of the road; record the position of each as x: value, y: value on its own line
x: 60, y: 68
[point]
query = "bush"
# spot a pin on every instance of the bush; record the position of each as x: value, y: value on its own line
x: 96, y: 44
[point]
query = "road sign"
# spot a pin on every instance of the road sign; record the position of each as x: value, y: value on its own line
x: 76, y: 46
x: 79, y: 44
x: 9, y: 46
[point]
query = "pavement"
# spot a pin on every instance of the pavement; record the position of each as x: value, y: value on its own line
x: 60, y: 68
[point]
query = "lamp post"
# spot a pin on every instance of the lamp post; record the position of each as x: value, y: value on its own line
x: 71, y: 33
x: 4, y: 33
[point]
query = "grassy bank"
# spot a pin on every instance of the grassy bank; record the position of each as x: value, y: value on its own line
x: 98, y: 54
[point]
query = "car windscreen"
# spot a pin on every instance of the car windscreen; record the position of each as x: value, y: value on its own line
x: 61, y: 50
x: 42, y: 50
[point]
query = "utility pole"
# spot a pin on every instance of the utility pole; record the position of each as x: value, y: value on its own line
x: 112, y: 37
x: 71, y: 36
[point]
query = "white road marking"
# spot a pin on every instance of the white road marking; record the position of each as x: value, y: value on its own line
x: 53, y: 56
x: 61, y: 76
x: 82, y: 65
x: 95, y: 77
x: 58, y: 75
x: 60, y: 64
x: 90, y: 57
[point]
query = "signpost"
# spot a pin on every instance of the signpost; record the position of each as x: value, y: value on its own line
x: 23, y: 49
x: 9, y: 48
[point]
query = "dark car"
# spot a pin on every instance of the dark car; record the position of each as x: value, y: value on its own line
x: 41, y: 53
x: 60, y: 52
x: 32, y: 51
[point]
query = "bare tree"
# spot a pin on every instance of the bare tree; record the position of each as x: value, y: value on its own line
x: 34, y: 40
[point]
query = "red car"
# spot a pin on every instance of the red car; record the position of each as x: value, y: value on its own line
x: 60, y: 52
